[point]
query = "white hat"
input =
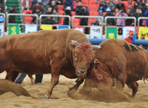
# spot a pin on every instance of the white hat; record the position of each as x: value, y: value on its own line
x: 146, y: 4
x: 68, y: 8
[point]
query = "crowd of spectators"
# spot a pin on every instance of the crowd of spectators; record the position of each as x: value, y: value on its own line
x: 138, y: 9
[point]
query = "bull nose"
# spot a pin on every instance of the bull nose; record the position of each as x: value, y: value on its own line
x: 82, y: 71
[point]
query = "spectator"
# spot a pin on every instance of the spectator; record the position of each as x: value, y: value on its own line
x: 48, y: 20
x: 129, y: 4
x: 37, y: 5
x: 133, y: 11
x: 58, y: 2
x: 33, y: 3
x: 111, y: 4
x: 110, y: 21
x: 67, y: 12
x: 83, y: 12
x: 137, y: 15
x: 129, y: 22
x: 121, y: 22
x: 45, y: 2
x: 137, y: 3
x: 55, y: 19
x: 120, y: 5
x: 116, y: 11
x: 68, y: 3
x: 38, y: 12
x: 130, y: 37
x: 142, y: 10
x: 44, y: 7
x: 12, y: 18
x: 75, y: 4
x: 54, y: 6
x: 78, y: 8
x: 98, y: 21
x: 49, y: 11
x: 1, y: 9
x: 27, y: 4
x: 146, y: 14
x: 1, y: 2
x: 143, y: 4
x: 103, y: 6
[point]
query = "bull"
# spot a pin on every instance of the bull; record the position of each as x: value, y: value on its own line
x: 120, y: 60
x: 59, y: 52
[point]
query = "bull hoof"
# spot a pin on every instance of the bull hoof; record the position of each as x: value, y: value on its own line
x: 46, y: 96
x: 71, y: 91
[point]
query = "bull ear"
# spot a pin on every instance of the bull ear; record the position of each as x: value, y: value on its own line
x: 73, y: 44
x: 96, y: 61
x: 96, y: 47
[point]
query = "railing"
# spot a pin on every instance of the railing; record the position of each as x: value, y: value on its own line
x: 5, y: 7
x: 79, y: 16
x: 140, y: 19
x: 45, y: 15
x: 113, y: 17
x: 12, y: 14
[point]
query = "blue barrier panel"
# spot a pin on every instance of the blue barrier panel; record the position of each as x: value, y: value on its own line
x: 96, y: 41
x: 141, y: 42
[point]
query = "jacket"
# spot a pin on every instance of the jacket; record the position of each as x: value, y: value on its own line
x: 137, y: 16
x: 120, y: 6
x: 146, y: 14
x: 47, y: 21
x: 129, y: 21
x: 128, y: 39
x: 110, y: 21
x: 68, y: 3
x: 55, y: 18
x: 103, y: 6
x: 121, y: 21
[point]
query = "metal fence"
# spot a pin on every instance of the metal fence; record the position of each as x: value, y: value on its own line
x: 12, y: 14
x: 80, y: 16
x: 113, y: 17
x: 45, y: 15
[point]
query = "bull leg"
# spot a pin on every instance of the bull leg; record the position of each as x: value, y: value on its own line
x: 55, y: 72
x: 75, y: 87
x: 11, y: 75
x: 31, y: 78
x: 134, y: 87
x: 120, y: 82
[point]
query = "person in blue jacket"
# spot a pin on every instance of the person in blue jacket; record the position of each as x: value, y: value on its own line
x: 146, y: 14
x: 67, y: 3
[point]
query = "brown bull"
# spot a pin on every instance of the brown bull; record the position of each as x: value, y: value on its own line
x: 118, y: 59
x: 67, y: 52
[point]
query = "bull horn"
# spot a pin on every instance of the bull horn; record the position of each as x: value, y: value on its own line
x: 74, y: 43
x: 96, y: 61
x: 95, y: 47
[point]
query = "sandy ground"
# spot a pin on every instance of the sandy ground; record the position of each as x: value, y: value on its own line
x: 62, y: 100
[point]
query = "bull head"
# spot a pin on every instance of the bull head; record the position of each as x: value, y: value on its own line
x: 97, y: 77
x: 83, y: 56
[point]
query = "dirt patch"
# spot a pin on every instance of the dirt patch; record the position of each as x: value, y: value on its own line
x: 7, y: 86
x: 104, y: 95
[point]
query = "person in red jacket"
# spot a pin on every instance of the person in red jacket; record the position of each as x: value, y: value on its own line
x: 27, y: 4
x: 130, y: 37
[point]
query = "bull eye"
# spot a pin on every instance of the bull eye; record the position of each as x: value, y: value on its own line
x: 76, y: 58
x: 100, y: 76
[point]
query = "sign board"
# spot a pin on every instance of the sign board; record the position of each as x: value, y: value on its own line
x: 96, y: 32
